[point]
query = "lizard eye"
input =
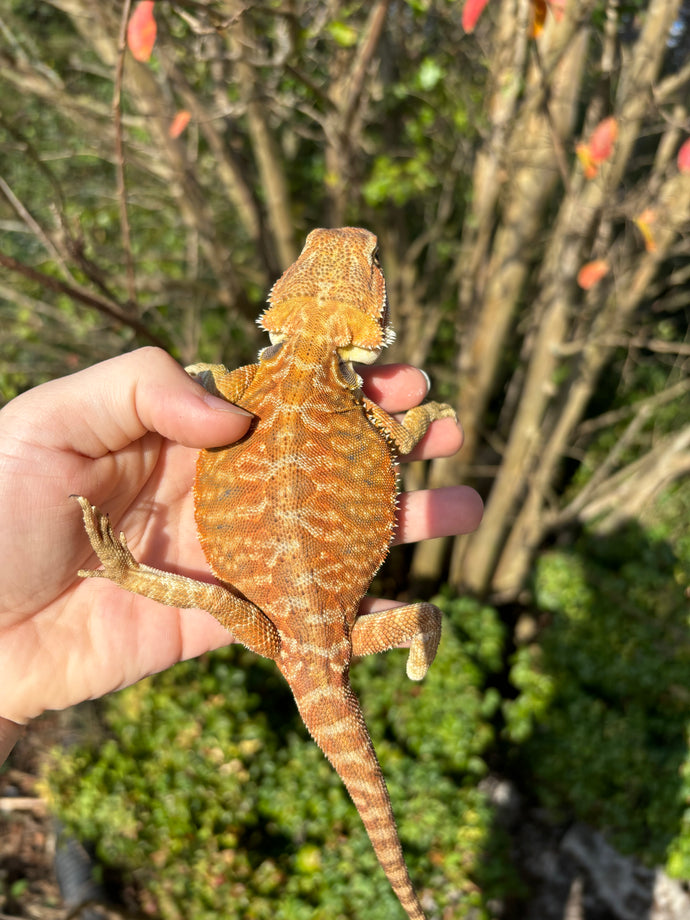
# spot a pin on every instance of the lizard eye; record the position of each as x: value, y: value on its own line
x: 375, y: 258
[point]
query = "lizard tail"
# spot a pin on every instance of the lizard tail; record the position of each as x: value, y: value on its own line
x: 334, y: 718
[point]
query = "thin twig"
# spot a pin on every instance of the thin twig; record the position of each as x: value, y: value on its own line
x: 33, y: 225
x: 120, y: 154
x: 557, y: 141
x: 613, y: 416
x: 109, y: 308
x: 365, y: 53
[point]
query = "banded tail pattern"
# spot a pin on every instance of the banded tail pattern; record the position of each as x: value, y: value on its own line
x: 333, y: 715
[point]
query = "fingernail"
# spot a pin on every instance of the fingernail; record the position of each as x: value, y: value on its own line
x: 427, y: 378
x: 222, y: 405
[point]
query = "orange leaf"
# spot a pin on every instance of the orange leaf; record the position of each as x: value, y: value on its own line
x: 538, y: 17
x: 179, y: 123
x: 141, y: 31
x: 539, y: 10
x: 471, y: 12
x: 592, y: 273
x: 584, y: 155
x: 684, y: 157
x: 644, y: 222
x: 602, y: 139
x: 599, y: 147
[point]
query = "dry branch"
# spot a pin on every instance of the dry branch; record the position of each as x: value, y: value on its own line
x: 120, y: 153
x: 106, y: 307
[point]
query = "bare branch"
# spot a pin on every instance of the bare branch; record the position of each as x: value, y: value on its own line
x: 120, y: 154
x: 649, y: 404
x: 32, y: 223
x: 624, y: 494
x: 108, y: 308
x: 365, y: 52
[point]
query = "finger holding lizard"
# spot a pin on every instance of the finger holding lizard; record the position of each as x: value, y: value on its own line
x: 426, y: 513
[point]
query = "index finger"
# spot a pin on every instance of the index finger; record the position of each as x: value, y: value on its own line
x: 395, y: 387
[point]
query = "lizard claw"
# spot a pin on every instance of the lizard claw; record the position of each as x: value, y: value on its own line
x: 113, y: 553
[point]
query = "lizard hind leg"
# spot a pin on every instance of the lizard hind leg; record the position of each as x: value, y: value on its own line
x: 419, y: 624
x: 248, y: 624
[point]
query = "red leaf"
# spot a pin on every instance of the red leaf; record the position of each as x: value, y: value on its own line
x: 602, y: 140
x: 471, y: 12
x: 684, y: 157
x: 179, y: 123
x: 599, y: 147
x: 141, y: 31
x: 592, y: 273
x: 558, y: 9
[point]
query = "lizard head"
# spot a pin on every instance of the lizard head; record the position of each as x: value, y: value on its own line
x: 335, y: 292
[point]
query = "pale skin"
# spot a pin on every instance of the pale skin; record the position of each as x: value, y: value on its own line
x: 126, y: 433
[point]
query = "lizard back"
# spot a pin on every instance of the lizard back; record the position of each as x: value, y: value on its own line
x: 303, y: 509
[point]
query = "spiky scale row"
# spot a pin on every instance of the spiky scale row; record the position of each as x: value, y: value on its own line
x: 296, y: 518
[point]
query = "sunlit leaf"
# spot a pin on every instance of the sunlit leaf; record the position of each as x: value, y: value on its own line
x: 599, y: 147
x: 645, y: 224
x: 602, y: 140
x: 684, y: 157
x: 430, y: 72
x: 589, y: 168
x: 179, y: 123
x: 592, y: 273
x: 471, y: 12
x: 538, y: 17
x: 539, y: 12
x: 141, y: 31
x: 345, y: 35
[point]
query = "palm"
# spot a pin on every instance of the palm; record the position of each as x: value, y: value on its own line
x: 90, y: 636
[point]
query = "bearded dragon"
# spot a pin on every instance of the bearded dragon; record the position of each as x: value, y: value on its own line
x: 296, y: 518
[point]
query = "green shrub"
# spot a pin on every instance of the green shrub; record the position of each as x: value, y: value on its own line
x: 604, y: 705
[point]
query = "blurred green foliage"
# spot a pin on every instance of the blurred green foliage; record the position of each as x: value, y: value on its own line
x: 209, y: 795
x: 602, y: 718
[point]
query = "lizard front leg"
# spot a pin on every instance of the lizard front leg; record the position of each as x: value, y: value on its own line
x: 248, y: 624
x: 419, y: 624
x: 403, y: 436
x: 219, y: 381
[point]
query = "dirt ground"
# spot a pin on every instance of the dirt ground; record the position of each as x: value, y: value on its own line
x: 28, y: 886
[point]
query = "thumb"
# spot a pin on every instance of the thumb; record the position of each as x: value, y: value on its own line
x: 109, y: 405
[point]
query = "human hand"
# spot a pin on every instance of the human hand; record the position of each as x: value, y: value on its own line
x: 125, y: 433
